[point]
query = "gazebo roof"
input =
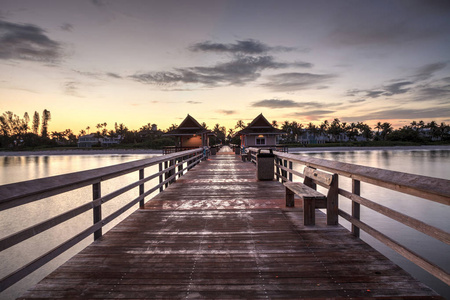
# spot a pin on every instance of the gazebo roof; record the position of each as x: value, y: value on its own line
x: 189, y: 126
x: 258, y: 126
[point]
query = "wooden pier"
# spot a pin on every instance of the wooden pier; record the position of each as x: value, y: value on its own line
x: 219, y: 233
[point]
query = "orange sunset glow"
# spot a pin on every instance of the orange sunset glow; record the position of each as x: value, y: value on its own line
x: 138, y: 62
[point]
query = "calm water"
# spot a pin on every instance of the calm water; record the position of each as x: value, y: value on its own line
x: 14, y: 169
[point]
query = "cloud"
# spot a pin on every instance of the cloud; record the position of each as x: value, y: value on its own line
x: 368, y: 23
x: 194, y: 102
x: 67, y: 27
x: 426, y: 72
x: 357, y: 101
x: 114, y: 75
x: 27, y: 42
x: 397, y: 88
x: 276, y: 103
x: 419, y: 91
x: 407, y: 113
x: 71, y: 88
x: 311, y: 115
x: 248, y: 46
x: 99, y: 3
x: 238, y: 71
x: 297, y: 81
x: 226, y: 112
x: 437, y: 91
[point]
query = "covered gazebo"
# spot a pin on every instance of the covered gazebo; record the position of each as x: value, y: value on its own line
x: 259, y: 133
x: 190, y: 134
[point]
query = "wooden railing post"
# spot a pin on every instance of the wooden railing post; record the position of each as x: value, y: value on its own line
x: 96, y: 193
x: 356, y: 189
x: 141, y: 188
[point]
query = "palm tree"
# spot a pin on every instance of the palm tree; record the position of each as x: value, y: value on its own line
x: 386, y: 130
x: 275, y: 123
x: 239, y: 125
x: 313, y: 130
x: 87, y: 129
x: 433, y: 129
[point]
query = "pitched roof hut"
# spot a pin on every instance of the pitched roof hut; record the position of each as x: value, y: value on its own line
x: 259, y: 133
x: 190, y: 134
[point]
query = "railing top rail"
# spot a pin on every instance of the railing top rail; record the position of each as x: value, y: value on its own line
x: 431, y: 188
x: 31, y: 190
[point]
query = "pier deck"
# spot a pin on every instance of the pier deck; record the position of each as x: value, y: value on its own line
x: 219, y: 233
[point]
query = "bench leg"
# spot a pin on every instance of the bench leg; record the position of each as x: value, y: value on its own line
x: 332, y: 202
x: 309, y: 212
x: 290, y: 202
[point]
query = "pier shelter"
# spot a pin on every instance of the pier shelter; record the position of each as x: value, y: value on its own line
x: 259, y: 133
x: 190, y: 134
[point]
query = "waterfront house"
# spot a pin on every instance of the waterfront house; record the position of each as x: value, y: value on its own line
x: 259, y: 133
x: 89, y: 140
x: 190, y: 134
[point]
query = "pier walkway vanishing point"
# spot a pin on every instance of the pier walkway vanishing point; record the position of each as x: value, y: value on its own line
x: 219, y: 233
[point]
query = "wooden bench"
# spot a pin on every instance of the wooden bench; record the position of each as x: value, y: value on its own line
x: 312, y: 199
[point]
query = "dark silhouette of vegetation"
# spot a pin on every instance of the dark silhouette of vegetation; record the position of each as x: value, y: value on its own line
x: 16, y: 133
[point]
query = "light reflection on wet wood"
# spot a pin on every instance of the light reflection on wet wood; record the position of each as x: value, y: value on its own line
x: 219, y: 233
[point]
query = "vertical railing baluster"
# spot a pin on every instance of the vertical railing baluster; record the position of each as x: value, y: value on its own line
x: 161, y: 188
x: 97, y: 211
x: 356, y: 189
x: 141, y: 188
x: 166, y: 175
x: 180, y: 161
x: 284, y: 171
x: 290, y: 173
x: 277, y: 161
x: 172, y: 171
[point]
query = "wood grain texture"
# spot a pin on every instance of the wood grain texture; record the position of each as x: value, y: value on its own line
x: 219, y: 233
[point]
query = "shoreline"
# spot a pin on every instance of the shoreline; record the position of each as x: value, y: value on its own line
x: 156, y: 152
x: 381, y: 148
x: 82, y: 152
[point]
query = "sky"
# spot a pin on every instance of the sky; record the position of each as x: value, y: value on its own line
x: 143, y: 61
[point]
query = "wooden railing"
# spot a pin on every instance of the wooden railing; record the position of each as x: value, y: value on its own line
x: 429, y: 188
x: 173, y: 149
x: 171, y: 167
x: 280, y: 148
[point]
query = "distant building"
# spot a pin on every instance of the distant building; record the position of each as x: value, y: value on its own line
x: 89, y: 140
x: 190, y: 134
x: 259, y: 133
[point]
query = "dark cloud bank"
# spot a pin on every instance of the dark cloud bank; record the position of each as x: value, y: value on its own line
x: 27, y: 42
x: 247, y: 60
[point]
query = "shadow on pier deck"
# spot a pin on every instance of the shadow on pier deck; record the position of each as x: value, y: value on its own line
x: 219, y: 233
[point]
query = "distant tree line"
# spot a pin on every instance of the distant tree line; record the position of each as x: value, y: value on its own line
x: 17, y: 132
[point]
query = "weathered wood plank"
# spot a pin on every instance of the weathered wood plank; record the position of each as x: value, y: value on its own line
x: 219, y: 233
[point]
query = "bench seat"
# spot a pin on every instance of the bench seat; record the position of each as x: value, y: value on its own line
x: 313, y: 199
